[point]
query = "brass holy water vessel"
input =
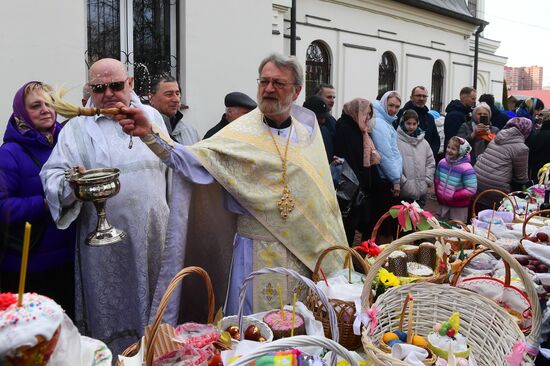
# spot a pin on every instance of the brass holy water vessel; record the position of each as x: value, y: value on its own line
x: 96, y: 186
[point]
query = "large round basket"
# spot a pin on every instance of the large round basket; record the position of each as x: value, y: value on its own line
x: 345, y: 310
x: 491, y: 332
x: 491, y: 195
x: 134, y: 348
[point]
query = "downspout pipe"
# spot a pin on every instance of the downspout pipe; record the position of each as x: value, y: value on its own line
x: 293, y: 29
x: 476, y: 52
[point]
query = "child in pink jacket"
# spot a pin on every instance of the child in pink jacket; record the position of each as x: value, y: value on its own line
x: 455, y: 181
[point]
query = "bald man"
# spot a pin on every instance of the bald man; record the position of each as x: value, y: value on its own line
x: 115, y: 283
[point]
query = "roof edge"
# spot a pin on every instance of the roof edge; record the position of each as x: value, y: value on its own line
x: 443, y: 11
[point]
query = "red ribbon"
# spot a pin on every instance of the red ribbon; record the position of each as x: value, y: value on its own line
x: 369, y: 247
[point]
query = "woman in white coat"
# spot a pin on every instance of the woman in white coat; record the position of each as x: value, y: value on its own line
x: 417, y: 157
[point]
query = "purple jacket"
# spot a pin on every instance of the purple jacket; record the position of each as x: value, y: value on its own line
x: 22, y: 199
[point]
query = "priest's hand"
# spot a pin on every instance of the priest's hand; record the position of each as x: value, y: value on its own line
x: 133, y: 121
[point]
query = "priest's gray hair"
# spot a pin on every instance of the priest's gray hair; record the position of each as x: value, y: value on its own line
x: 285, y: 62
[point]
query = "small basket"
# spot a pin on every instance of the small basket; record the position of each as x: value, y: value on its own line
x: 408, y: 304
x: 439, y: 275
x: 526, y: 325
x: 288, y: 272
x: 491, y: 331
x: 498, y: 192
x: 345, y: 310
x: 134, y: 348
x: 529, y: 217
x: 458, y: 244
x: 294, y: 342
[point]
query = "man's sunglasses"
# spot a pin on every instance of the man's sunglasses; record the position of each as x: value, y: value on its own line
x: 114, y: 86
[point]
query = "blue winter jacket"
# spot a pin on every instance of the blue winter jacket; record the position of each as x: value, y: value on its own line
x: 384, y: 137
x: 22, y: 199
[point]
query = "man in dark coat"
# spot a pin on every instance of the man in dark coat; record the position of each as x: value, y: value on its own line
x: 458, y: 111
x: 417, y: 102
x: 236, y: 105
x: 328, y: 129
x: 498, y: 118
x: 317, y: 105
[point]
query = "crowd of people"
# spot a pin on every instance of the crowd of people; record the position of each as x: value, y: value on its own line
x: 271, y: 161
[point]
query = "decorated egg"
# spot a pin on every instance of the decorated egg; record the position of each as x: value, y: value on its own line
x: 252, y: 333
x: 234, y: 332
x: 387, y: 337
x: 393, y: 342
x: 419, y: 341
x: 402, y: 335
x: 437, y: 327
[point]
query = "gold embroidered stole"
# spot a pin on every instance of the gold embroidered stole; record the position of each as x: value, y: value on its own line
x: 244, y: 160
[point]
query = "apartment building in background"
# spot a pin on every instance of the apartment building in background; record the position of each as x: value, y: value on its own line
x: 523, y: 77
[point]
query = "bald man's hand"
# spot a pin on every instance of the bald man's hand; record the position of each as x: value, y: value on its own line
x: 133, y: 121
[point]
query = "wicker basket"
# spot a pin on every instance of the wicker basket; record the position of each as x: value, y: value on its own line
x: 525, y: 326
x: 491, y: 331
x: 288, y: 272
x: 458, y: 244
x: 345, y: 310
x: 295, y: 342
x: 407, y: 304
x: 134, y: 348
x: 498, y: 192
x: 533, y: 215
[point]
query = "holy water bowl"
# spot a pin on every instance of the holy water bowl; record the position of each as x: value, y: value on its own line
x: 96, y: 186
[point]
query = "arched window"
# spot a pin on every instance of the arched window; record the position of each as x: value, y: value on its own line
x: 438, y: 76
x: 141, y: 33
x: 386, y: 73
x: 317, y: 66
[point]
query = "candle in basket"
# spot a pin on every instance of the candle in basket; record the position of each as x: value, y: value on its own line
x: 24, y: 260
x: 293, y: 314
x: 280, y: 300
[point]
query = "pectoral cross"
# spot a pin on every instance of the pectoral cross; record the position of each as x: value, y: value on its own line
x: 286, y: 203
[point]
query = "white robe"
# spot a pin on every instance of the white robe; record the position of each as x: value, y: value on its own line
x: 115, y: 283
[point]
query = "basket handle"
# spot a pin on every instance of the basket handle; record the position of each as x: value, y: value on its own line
x: 483, y: 193
x: 527, y: 218
x: 468, y: 259
x: 374, y: 233
x: 459, y: 223
x: 297, y: 341
x: 532, y: 338
x: 351, y: 251
x: 166, y: 298
x: 299, y: 277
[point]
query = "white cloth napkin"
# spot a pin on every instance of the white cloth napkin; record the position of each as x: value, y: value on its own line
x: 411, y: 354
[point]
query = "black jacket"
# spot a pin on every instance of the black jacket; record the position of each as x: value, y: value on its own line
x: 457, y: 114
x: 348, y: 144
x: 223, y: 122
x: 539, y: 150
x: 427, y: 124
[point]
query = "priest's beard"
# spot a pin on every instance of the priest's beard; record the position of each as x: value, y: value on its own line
x: 270, y: 104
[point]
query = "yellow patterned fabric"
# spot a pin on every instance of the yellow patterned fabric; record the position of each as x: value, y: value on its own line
x: 244, y: 160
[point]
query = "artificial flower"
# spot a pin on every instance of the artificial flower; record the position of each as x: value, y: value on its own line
x: 441, y: 249
x: 388, y: 278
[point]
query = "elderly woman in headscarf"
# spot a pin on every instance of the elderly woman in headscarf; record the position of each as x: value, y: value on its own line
x: 504, y: 163
x: 30, y: 136
x: 530, y: 108
x: 478, y: 132
x: 353, y: 143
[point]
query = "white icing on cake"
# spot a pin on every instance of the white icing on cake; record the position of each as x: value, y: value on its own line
x: 439, y: 341
x: 19, y: 326
x: 417, y: 269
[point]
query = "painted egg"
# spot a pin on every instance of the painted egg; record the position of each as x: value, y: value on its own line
x: 419, y: 341
x: 387, y: 337
x: 395, y: 341
x: 402, y: 335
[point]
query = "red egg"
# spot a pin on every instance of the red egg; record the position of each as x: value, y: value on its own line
x: 234, y: 332
x: 451, y: 332
x: 252, y: 333
x: 542, y: 236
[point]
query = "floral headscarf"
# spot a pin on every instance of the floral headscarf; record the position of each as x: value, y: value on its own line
x: 521, y: 123
x: 359, y: 109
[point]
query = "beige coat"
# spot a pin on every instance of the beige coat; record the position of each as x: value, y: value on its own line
x: 418, y: 165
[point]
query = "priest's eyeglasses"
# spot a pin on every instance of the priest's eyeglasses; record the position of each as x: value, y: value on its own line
x: 114, y: 86
x: 277, y: 84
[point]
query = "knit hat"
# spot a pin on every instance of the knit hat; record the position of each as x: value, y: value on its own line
x: 521, y: 123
